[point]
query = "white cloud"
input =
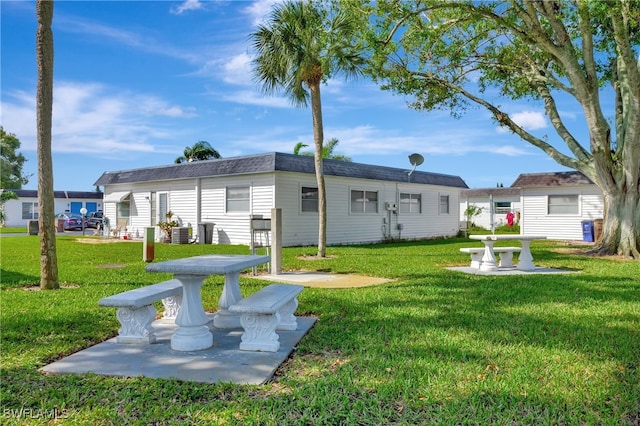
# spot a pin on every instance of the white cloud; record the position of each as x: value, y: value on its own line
x: 93, y: 118
x: 528, y: 120
x: 237, y: 70
x: 188, y: 5
x: 253, y: 97
x: 259, y: 10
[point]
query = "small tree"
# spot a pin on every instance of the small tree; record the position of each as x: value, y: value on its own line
x: 11, y: 162
x: 470, y: 212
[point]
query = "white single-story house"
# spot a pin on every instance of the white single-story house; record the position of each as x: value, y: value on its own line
x: 365, y: 203
x: 505, y: 201
x: 552, y: 204
x: 556, y: 204
x: 18, y: 212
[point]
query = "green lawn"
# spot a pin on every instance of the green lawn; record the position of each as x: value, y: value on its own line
x: 433, y: 346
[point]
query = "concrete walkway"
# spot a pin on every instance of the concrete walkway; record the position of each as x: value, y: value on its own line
x: 223, y: 362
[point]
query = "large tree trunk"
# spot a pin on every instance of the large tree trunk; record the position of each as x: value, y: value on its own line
x: 44, y: 105
x: 318, y: 137
x: 621, y: 224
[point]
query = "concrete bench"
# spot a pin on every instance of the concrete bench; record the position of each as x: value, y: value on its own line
x: 506, y: 255
x: 136, y: 311
x: 264, y: 312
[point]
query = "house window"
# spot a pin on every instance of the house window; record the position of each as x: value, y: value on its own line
x: 238, y: 199
x: 563, y: 204
x: 444, y: 204
x: 502, y: 207
x: 410, y: 203
x: 153, y: 208
x: 123, y: 209
x: 309, y: 199
x: 30, y: 211
x: 364, y: 201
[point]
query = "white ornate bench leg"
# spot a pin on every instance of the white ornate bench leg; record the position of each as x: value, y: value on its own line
x: 171, y: 306
x: 260, y: 332
x: 506, y: 259
x: 288, y: 321
x: 476, y: 260
x: 136, y: 325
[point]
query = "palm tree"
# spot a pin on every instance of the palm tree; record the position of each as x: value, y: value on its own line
x: 201, y: 150
x: 327, y: 150
x: 298, y: 147
x: 299, y: 48
x: 44, y: 105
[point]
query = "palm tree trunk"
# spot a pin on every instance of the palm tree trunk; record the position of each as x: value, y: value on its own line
x: 318, y: 137
x: 44, y: 105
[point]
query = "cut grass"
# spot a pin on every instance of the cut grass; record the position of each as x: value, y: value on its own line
x: 434, y: 346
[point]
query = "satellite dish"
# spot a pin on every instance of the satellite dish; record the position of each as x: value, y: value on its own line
x: 416, y: 160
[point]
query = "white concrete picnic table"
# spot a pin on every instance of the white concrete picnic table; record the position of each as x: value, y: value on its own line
x: 525, y: 260
x: 193, y: 332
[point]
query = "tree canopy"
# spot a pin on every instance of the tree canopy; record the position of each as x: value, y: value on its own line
x: 11, y: 162
x: 455, y: 54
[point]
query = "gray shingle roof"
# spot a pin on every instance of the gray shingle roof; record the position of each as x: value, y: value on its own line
x: 551, y: 179
x: 32, y: 193
x: 485, y: 192
x: 271, y: 162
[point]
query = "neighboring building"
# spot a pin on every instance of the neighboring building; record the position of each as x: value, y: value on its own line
x: 556, y: 204
x: 552, y: 204
x: 505, y: 200
x: 365, y: 203
x: 25, y: 208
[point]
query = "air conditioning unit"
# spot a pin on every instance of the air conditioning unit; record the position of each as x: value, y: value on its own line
x: 180, y: 235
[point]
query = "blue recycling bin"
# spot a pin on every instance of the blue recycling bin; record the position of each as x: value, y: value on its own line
x: 587, y: 231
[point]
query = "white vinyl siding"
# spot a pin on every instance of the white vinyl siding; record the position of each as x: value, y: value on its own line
x: 283, y: 190
x: 536, y: 220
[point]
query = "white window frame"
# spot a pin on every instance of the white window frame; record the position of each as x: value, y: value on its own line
x: 309, y: 200
x: 161, y: 204
x: 374, y: 206
x: 33, y: 210
x: 237, y: 201
x: 441, y: 204
x: 411, y: 204
x: 558, y: 206
x: 502, y: 209
x: 119, y: 209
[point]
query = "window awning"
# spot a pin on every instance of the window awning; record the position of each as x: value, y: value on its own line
x: 116, y: 197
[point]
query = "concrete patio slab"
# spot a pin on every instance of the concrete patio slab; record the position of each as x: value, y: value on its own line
x: 510, y: 271
x: 224, y: 362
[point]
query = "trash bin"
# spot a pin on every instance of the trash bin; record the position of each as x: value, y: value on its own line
x: 205, y: 232
x: 33, y: 227
x: 597, y: 229
x: 587, y: 231
x: 60, y: 225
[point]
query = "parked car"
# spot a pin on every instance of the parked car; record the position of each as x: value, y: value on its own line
x: 71, y: 220
x: 94, y: 219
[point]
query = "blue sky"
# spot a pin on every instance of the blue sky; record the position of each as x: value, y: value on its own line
x: 137, y: 81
